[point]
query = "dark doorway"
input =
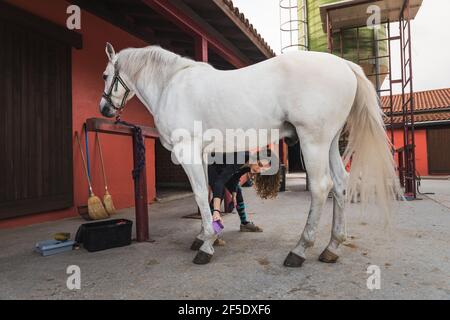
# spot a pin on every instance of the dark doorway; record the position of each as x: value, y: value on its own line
x: 295, y: 160
x: 36, y: 122
x: 438, y: 147
x: 170, y: 178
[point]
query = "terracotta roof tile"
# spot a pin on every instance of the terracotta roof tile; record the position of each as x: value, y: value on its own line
x: 424, y: 100
x: 425, y: 117
x: 432, y: 105
x: 247, y: 23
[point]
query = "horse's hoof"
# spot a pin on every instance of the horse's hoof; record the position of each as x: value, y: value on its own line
x: 197, y: 244
x: 202, y: 258
x: 293, y: 260
x: 328, y: 257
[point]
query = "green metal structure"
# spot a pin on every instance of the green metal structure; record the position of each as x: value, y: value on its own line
x: 359, y: 45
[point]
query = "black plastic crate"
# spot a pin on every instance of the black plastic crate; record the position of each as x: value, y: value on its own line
x: 104, y: 235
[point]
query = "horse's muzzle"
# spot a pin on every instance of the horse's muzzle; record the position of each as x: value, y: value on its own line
x: 106, y: 109
x: 108, y: 113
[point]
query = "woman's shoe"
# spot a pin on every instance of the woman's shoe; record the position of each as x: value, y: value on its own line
x: 250, y: 227
x: 219, y: 242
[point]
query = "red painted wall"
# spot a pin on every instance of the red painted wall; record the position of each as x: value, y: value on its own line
x: 420, y: 137
x: 88, y: 66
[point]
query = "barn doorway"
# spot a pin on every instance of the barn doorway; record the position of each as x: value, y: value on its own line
x: 295, y: 159
x: 438, y: 156
x: 36, y: 122
x: 171, y: 180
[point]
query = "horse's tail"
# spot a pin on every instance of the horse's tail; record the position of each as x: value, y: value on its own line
x: 373, y: 171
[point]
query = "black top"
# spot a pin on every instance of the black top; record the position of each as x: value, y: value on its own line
x: 222, y: 175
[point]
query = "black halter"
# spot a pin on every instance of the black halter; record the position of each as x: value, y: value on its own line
x: 114, y: 86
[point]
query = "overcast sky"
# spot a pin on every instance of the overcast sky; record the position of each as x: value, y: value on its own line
x: 430, y: 38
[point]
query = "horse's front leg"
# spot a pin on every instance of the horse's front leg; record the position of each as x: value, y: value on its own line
x: 193, y: 166
x: 199, y: 240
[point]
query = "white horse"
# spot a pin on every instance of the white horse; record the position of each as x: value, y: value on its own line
x: 306, y: 95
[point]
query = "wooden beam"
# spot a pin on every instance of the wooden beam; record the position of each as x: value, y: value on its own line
x: 173, y: 36
x: 140, y: 182
x: 108, y: 126
x: 112, y: 17
x: 144, y: 33
x: 185, y: 18
x: 27, y: 19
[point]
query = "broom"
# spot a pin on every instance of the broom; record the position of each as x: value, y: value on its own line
x: 95, y: 206
x: 107, y: 198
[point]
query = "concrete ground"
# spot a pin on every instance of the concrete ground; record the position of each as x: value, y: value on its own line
x: 413, y: 255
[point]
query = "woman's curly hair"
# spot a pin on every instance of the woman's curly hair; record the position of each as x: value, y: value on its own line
x: 267, y: 186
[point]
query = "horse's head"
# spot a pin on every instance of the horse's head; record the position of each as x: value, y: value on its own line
x: 117, y: 90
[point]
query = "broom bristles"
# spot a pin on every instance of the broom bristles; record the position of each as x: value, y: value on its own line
x: 109, y: 204
x: 96, y: 209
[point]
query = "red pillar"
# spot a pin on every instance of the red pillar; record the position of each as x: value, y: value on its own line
x: 201, y: 49
x: 201, y: 54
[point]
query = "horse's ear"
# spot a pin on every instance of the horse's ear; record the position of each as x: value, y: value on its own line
x: 110, y: 51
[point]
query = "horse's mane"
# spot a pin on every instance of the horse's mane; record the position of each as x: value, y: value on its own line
x: 152, y: 59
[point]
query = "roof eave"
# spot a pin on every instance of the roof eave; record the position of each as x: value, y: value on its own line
x: 388, y: 14
x: 244, y: 25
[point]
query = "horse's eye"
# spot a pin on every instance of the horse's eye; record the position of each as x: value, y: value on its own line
x: 105, y: 77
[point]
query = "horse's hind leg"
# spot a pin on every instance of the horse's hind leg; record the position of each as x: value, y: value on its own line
x: 339, y: 176
x: 317, y: 165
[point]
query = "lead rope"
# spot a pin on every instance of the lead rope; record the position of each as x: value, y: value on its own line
x: 137, y: 134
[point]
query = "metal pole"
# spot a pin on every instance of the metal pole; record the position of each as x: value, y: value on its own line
x: 305, y: 23
x: 290, y: 22
x: 413, y: 147
x: 405, y: 129
x: 357, y: 45
x: 407, y: 107
x: 329, y: 33
x: 377, y: 61
x: 281, y: 26
x: 391, y: 102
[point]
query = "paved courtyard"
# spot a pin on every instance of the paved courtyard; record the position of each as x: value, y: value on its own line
x: 413, y: 255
